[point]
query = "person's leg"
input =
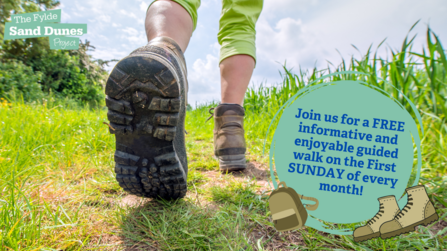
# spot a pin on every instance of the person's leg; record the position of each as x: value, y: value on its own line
x: 235, y: 74
x: 237, y: 36
x: 146, y: 100
x: 167, y: 18
x: 237, y: 59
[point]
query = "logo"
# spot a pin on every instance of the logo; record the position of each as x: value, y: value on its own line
x: 45, y: 24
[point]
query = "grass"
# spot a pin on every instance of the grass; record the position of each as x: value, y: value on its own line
x: 58, y: 189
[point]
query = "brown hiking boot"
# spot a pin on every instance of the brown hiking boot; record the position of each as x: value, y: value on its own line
x: 146, y: 98
x: 418, y: 211
x: 229, y: 141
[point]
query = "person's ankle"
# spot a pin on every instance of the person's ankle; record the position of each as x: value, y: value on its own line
x: 231, y: 104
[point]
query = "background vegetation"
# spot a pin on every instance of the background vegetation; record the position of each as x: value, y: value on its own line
x: 29, y: 69
x: 58, y: 188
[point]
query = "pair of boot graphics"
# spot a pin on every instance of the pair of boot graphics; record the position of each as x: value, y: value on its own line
x: 390, y: 221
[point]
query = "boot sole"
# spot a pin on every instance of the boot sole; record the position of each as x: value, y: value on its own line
x: 434, y: 217
x: 146, y: 113
x: 230, y: 163
x: 366, y: 237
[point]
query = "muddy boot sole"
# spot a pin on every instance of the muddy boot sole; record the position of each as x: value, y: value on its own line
x: 231, y: 163
x: 434, y: 217
x: 146, y: 110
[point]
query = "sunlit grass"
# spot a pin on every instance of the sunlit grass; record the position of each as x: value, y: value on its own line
x: 58, y: 189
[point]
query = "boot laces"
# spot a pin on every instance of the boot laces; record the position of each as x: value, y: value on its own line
x: 212, y: 113
x: 406, y: 208
x: 377, y: 216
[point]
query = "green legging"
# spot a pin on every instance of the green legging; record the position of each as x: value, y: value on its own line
x: 237, y: 22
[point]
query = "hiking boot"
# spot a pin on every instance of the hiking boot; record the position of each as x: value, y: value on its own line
x: 418, y: 211
x: 388, y: 209
x: 229, y: 141
x: 146, y: 97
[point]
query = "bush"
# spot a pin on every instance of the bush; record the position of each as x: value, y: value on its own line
x: 17, y: 78
x: 65, y: 75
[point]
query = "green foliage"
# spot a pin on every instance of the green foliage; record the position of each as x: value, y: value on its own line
x: 238, y: 193
x: 67, y: 73
x: 58, y: 192
x: 20, y: 47
x: 71, y: 73
x: 15, y: 77
x: 180, y: 225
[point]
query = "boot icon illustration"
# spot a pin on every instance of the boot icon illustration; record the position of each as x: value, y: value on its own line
x: 387, y: 211
x: 418, y: 211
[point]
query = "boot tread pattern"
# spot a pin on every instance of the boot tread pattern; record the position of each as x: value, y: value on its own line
x: 158, y: 179
x: 148, y: 107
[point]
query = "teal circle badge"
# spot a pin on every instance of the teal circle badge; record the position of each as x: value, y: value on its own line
x: 347, y: 144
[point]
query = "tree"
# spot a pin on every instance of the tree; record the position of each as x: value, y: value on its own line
x: 22, y: 48
x: 72, y: 73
